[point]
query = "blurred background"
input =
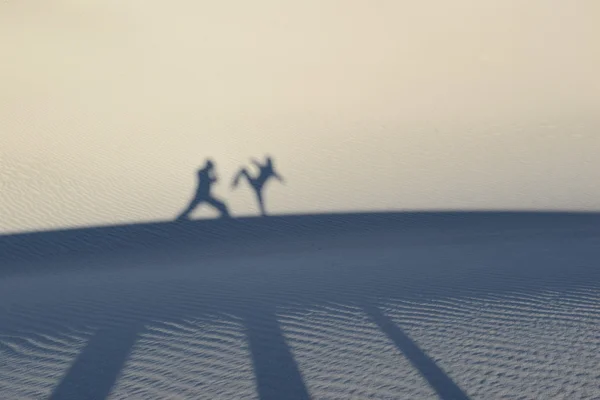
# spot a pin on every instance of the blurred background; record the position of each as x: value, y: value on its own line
x: 108, y: 107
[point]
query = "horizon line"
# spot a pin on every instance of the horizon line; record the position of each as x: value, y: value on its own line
x: 250, y: 217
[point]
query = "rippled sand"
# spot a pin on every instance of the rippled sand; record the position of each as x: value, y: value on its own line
x: 382, y: 306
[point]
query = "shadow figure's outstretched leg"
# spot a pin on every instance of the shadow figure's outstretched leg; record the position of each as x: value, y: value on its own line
x: 185, y: 215
x: 278, y: 177
x: 219, y: 205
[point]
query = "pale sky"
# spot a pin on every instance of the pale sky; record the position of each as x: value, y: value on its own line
x: 108, y: 107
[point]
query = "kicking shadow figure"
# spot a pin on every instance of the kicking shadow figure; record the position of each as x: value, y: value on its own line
x: 258, y: 182
x: 206, y: 178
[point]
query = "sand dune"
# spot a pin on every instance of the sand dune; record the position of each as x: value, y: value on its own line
x: 347, y: 306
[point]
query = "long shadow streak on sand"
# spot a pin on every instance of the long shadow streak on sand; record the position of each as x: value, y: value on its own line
x: 98, y: 366
x: 437, y: 378
x: 276, y: 372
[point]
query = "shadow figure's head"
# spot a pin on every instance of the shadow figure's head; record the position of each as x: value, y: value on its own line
x: 209, y: 164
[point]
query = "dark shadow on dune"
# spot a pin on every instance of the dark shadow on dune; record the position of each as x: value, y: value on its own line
x: 232, y: 267
x: 51, y: 251
x: 435, y: 376
x: 275, y: 370
x: 98, y: 366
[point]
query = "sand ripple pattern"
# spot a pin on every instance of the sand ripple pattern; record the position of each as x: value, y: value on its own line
x: 192, y: 359
x: 343, y: 355
x: 518, y: 346
x: 32, y: 363
x: 454, y: 317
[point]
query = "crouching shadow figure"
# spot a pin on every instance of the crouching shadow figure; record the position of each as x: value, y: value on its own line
x: 258, y: 182
x: 206, y: 178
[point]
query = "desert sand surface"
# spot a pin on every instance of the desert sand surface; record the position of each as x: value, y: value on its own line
x: 437, y: 234
x: 331, y: 306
